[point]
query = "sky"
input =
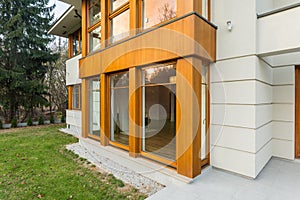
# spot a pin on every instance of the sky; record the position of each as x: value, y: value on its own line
x: 60, y: 8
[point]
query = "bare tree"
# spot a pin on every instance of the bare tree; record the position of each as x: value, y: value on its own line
x: 166, y: 12
x: 56, y: 79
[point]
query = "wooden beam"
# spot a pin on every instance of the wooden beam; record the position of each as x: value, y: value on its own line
x: 297, y: 111
x: 188, y: 116
x: 84, y: 28
x: 84, y: 108
x: 135, y: 16
x: 104, y: 110
x: 135, y: 112
x: 105, y: 5
x: 70, y: 99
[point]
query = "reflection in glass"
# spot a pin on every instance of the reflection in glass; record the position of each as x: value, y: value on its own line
x: 75, y: 43
x: 95, y: 39
x: 94, y: 106
x: 120, y: 26
x: 117, y: 3
x: 158, y: 11
x: 159, y: 111
x: 94, y: 11
x: 76, y: 97
x: 204, y: 145
x: 119, y: 92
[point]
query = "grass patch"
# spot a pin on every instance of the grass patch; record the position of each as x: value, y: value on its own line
x: 35, y: 165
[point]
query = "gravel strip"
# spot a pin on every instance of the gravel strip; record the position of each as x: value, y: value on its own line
x: 104, y: 164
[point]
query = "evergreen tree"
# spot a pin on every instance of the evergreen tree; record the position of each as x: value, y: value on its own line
x: 24, y: 53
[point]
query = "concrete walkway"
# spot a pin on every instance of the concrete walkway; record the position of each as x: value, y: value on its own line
x: 279, y: 180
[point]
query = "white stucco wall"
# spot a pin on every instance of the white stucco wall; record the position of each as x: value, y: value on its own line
x: 279, y: 32
x: 73, y: 121
x: 283, y: 112
x: 252, y: 103
x: 72, y: 71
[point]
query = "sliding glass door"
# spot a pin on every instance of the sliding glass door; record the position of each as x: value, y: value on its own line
x: 159, y: 111
x: 119, y: 117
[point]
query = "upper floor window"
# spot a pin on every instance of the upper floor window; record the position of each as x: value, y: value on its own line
x: 119, y: 19
x: 94, y: 28
x: 158, y: 11
x: 94, y: 11
x: 76, y: 43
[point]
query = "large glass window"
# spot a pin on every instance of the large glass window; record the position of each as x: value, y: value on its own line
x: 158, y: 11
x: 159, y: 111
x: 119, y: 20
x: 119, y: 95
x: 94, y: 107
x: 95, y: 39
x: 94, y: 11
x: 76, y: 97
x: 94, y: 27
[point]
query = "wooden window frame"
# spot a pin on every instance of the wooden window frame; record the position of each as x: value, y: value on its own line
x: 91, y: 28
x: 114, y: 143
x: 89, y: 134
x: 79, y: 97
x: 112, y: 14
x: 77, y: 34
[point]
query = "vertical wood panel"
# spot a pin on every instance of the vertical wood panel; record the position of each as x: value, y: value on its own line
x: 84, y: 28
x: 188, y: 138
x: 70, y: 46
x: 70, y: 99
x: 297, y: 111
x: 135, y: 17
x: 104, y: 109
x: 184, y: 7
x: 84, y: 110
x: 135, y: 112
x: 104, y: 22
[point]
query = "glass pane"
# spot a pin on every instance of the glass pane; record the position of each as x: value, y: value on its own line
x: 162, y: 74
x: 120, y: 26
x: 159, y: 111
x: 94, y: 11
x: 94, y: 107
x: 157, y: 11
x: 75, y: 44
x: 120, y: 80
x: 119, y: 108
x: 75, y: 99
x: 95, y: 39
x: 117, y: 3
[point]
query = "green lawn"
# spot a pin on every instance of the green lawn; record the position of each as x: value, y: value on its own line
x: 34, y: 164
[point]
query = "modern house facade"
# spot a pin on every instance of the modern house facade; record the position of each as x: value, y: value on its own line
x: 186, y: 83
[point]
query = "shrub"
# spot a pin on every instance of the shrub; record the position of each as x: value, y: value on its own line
x: 52, y: 120
x: 1, y: 125
x: 14, y: 123
x: 63, y: 119
x: 29, y: 122
x: 41, y: 120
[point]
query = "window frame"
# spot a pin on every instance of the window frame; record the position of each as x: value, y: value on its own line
x: 91, y: 28
x: 78, y: 35
x: 111, y: 142
x: 79, y: 97
x: 115, y: 13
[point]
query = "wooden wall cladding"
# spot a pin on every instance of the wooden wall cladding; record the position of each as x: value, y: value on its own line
x: 188, y: 36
